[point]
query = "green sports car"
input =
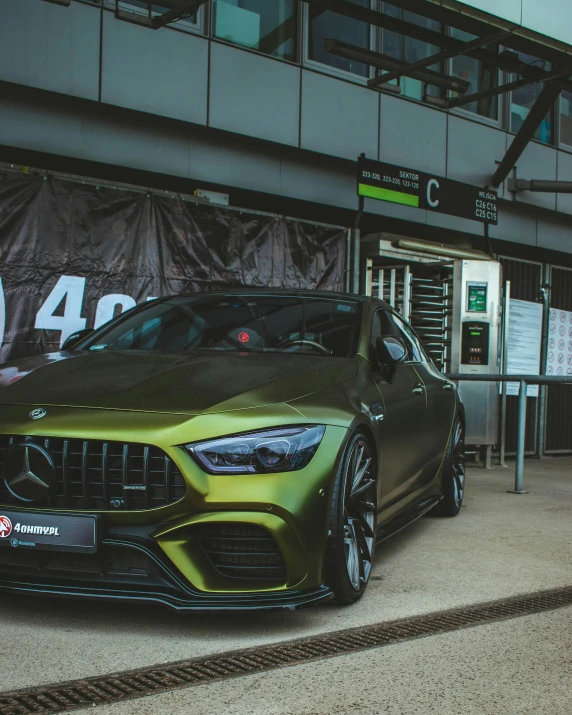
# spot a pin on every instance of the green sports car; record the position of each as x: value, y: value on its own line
x: 229, y: 450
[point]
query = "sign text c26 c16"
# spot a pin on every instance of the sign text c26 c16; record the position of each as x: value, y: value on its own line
x: 399, y: 185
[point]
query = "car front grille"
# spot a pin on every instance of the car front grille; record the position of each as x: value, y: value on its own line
x: 242, y: 551
x: 97, y: 475
x: 111, y: 560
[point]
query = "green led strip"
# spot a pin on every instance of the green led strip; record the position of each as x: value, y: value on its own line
x: 396, y: 197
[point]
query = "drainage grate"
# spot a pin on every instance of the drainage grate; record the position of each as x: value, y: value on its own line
x: 105, y: 689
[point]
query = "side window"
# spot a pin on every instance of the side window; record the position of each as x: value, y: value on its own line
x: 411, y: 341
x: 381, y: 328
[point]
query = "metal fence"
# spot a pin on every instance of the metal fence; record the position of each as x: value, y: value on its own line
x: 548, y: 427
x: 523, y: 380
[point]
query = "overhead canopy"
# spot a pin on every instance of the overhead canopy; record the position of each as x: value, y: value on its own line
x: 485, y: 34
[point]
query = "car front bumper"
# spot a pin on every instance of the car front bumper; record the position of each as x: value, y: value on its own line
x: 159, y: 555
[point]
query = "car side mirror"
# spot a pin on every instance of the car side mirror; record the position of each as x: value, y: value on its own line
x: 390, y: 354
x: 76, y: 338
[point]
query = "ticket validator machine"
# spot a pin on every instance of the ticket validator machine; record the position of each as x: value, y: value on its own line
x: 475, y: 344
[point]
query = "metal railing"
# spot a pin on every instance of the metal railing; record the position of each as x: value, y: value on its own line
x: 523, y: 381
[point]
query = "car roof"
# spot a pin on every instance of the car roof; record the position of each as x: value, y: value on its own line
x: 261, y: 290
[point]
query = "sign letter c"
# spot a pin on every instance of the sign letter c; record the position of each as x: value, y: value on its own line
x: 433, y: 183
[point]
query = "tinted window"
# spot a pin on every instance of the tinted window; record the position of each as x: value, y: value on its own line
x: 266, y: 323
x: 265, y: 25
x: 481, y: 77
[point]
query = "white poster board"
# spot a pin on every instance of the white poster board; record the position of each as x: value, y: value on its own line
x: 524, y: 342
x: 559, y: 357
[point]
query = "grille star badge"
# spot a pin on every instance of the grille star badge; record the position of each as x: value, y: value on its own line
x: 29, y: 472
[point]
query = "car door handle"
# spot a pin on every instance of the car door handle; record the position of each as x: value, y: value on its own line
x: 447, y: 386
x: 418, y: 389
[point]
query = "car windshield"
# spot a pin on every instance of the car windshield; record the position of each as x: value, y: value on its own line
x: 258, y: 323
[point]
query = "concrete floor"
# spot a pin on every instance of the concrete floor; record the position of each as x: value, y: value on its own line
x: 517, y: 667
x: 500, y: 545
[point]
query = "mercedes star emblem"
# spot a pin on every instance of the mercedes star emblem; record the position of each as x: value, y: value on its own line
x: 29, y: 472
x: 38, y: 413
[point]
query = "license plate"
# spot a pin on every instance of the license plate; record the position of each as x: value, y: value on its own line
x: 48, y: 532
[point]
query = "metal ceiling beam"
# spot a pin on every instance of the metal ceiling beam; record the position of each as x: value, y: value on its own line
x: 177, y: 10
x: 475, y: 26
x: 539, y: 110
x: 385, y: 62
x: 504, y: 88
x: 494, y: 37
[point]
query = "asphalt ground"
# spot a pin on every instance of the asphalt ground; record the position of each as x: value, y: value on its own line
x: 500, y: 545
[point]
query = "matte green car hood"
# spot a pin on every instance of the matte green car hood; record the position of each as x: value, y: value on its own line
x: 184, y: 383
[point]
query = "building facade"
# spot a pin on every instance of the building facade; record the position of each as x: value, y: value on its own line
x: 271, y: 102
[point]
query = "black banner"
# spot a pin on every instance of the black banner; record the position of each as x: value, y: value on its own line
x: 74, y: 255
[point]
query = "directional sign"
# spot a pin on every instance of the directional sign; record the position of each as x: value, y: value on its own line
x: 409, y: 187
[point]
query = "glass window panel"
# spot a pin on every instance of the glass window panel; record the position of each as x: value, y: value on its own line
x: 330, y: 26
x: 410, y: 50
x: 566, y: 118
x: 481, y: 78
x: 265, y: 25
x: 523, y: 99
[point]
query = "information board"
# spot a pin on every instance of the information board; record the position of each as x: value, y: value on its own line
x: 559, y: 357
x: 399, y: 185
x: 524, y: 341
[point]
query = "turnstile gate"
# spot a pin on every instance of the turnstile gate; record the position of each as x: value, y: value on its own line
x: 454, y: 307
x: 422, y: 293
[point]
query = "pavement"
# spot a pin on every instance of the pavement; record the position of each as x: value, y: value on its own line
x: 517, y: 667
x: 499, y: 546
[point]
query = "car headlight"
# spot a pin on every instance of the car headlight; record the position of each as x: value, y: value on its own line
x: 285, y: 449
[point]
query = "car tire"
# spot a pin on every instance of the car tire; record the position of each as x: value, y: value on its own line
x: 351, y: 536
x: 453, y: 478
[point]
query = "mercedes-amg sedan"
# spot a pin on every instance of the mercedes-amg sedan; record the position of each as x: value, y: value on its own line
x: 241, y: 449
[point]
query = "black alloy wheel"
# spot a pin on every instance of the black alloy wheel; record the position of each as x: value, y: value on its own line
x: 351, y: 539
x: 454, y: 472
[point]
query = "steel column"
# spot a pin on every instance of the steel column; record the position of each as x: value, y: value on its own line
x: 519, y: 471
x: 543, y: 391
x: 505, y: 327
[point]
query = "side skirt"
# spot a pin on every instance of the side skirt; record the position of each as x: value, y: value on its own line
x: 410, y: 514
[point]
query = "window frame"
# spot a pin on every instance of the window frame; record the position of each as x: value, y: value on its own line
x: 297, y: 54
x: 316, y: 65
x: 558, y: 126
